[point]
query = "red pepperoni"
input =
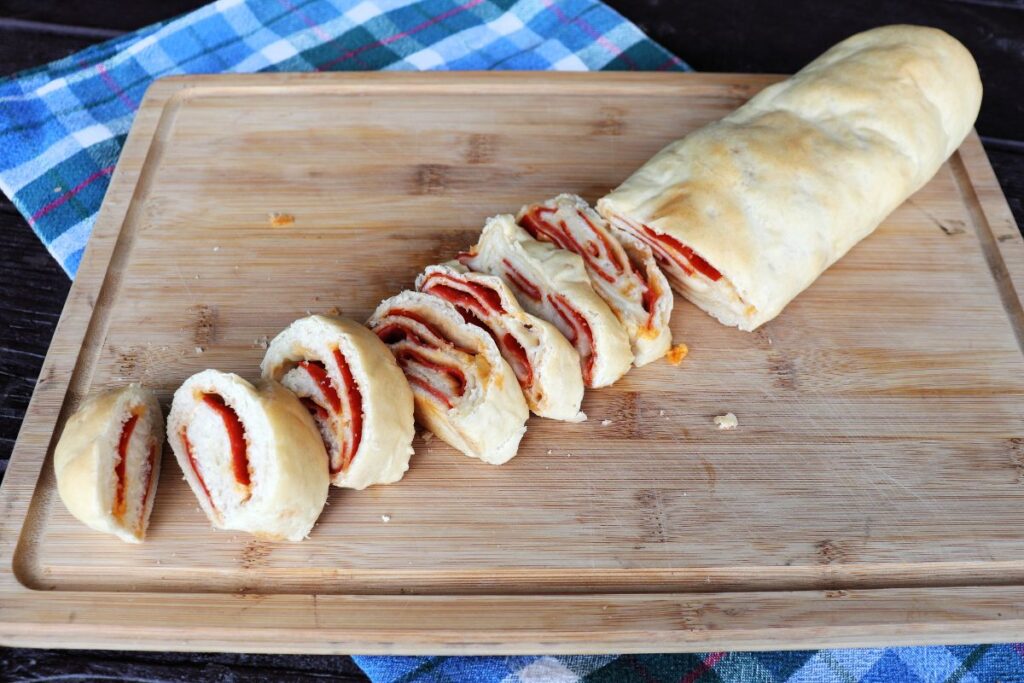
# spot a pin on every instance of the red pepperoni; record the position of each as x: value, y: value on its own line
x: 694, y: 262
x: 395, y: 332
x: 521, y: 283
x: 120, y: 504
x: 355, y: 408
x: 436, y: 393
x: 536, y: 221
x: 407, y: 355
x: 318, y: 372
x: 606, y: 240
x: 581, y: 328
x: 518, y: 359
x: 236, y: 435
x: 413, y: 315
x: 469, y: 294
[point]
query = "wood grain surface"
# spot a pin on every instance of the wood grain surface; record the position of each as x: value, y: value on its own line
x: 874, y: 478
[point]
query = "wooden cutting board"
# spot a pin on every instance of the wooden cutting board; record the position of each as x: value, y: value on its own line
x: 873, y: 492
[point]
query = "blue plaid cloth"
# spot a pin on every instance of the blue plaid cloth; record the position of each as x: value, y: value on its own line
x: 61, y: 131
x: 939, y: 664
x: 62, y: 125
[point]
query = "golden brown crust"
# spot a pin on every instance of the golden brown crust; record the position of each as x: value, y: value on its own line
x: 780, y: 189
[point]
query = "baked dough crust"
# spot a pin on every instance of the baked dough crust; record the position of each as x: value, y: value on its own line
x: 388, y: 425
x: 489, y: 419
x: 290, y: 478
x: 780, y: 189
x: 86, y: 455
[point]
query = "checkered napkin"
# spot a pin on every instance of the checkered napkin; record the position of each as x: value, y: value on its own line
x: 940, y: 664
x: 61, y: 131
x: 62, y: 125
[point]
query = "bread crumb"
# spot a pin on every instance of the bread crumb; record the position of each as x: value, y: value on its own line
x: 427, y: 436
x: 605, y: 423
x: 333, y: 310
x: 199, y: 349
x: 727, y: 421
x: 549, y: 451
x: 58, y: 189
x: 216, y: 248
x: 262, y: 342
x: 281, y: 220
x: 385, y: 518
x: 677, y: 353
x: 661, y: 413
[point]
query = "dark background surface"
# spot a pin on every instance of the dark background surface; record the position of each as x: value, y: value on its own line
x: 722, y: 35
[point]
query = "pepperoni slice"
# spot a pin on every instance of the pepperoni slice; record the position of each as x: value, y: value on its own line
x: 464, y: 292
x: 540, y: 222
x: 236, y: 435
x: 120, y: 504
x: 318, y: 372
x: 519, y: 280
x: 580, y: 328
x: 413, y: 315
x: 513, y: 351
x: 430, y: 389
x: 519, y: 361
x: 693, y: 261
x: 355, y: 408
x: 406, y: 355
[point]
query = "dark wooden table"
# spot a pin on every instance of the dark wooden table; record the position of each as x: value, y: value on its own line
x: 725, y: 35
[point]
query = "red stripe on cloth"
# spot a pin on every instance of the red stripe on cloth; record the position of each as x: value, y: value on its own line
x: 115, y: 88
x: 704, y: 667
x: 71, y: 193
x: 315, y: 27
x: 670, y: 62
x: 404, y: 34
x: 613, y: 49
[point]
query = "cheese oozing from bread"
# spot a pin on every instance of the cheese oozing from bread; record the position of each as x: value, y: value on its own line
x: 251, y: 454
x: 464, y: 391
x: 107, y: 461
x: 355, y: 392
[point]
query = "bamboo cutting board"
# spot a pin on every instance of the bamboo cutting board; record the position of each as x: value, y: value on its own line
x: 873, y: 492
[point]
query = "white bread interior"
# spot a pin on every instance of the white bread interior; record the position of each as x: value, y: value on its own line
x: 489, y: 419
x: 87, y: 455
x: 388, y: 423
x: 556, y: 272
x: 287, y: 462
x: 557, y: 388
